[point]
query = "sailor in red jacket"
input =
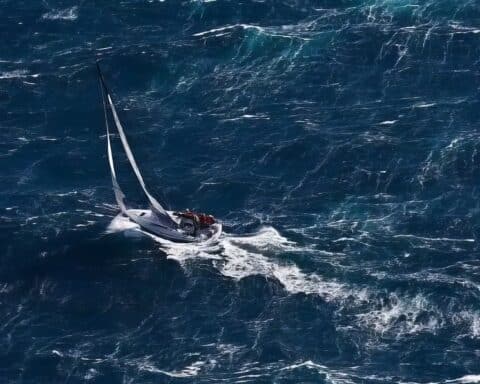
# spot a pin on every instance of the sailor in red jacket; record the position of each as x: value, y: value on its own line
x: 196, y: 220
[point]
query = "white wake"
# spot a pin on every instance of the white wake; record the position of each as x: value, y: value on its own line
x: 239, y: 256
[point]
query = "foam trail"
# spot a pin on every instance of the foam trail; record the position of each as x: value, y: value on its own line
x: 247, y: 255
x: 238, y: 257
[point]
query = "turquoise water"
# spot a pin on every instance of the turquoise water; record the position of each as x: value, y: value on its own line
x: 336, y: 140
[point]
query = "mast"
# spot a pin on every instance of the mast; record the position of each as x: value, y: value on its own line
x: 156, y: 207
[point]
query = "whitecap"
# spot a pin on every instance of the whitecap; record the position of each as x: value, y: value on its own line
x: 402, y: 315
x: 91, y: 374
x: 331, y: 375
x: 68, y: 14
x: 18, y: 73
x: 445, y: 239
x: 469, y: 318
x: 467, y: 379
x: 122, y: 224
x: 424, y: 105
x: 189, y: 371
x: 248, y: 116
x: 212, y: 32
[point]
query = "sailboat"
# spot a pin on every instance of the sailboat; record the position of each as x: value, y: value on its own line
x: 182, y: 227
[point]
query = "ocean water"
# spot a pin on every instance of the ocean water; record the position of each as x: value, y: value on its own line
x: 338, y: 141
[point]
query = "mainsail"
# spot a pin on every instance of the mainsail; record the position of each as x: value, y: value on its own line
x: 160, y: 212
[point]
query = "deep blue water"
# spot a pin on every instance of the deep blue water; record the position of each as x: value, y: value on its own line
x: 338, y: 141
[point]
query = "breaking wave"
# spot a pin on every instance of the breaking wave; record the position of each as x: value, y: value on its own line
x: 68, y: 14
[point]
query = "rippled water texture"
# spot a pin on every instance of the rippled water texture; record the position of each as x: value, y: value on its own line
x: 338, y: 141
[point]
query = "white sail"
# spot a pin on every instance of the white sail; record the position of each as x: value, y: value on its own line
x: 162, y: 215
x: 155, y: 204
x: 119, y: 196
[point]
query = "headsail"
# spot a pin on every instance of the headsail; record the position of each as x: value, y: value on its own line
x: 119, y: 196
x: 161, y: 213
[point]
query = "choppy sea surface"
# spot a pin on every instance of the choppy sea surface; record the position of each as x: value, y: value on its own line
x: 338, y: 141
